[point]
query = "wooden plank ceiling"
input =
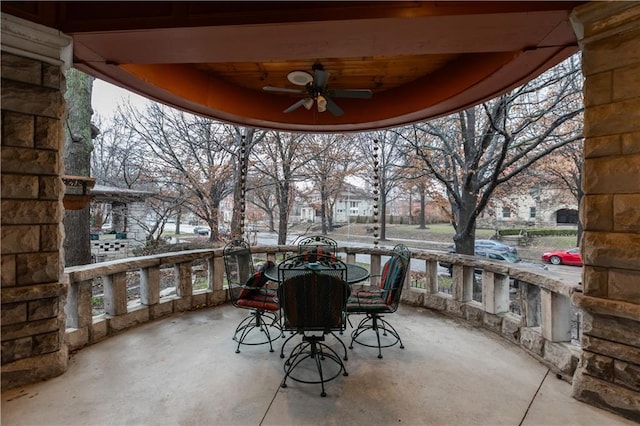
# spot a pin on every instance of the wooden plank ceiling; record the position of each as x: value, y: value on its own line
x: 419, y: 59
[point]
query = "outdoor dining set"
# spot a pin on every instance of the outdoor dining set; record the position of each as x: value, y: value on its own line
x: 309, y: 297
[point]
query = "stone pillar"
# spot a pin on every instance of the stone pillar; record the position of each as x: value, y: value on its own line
x: 119, y: 216
x: 33, y: 108
x: 137, y: 212
x: 609, y: 372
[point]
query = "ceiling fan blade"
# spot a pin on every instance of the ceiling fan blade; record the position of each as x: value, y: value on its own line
x: 295, y: 106
x: 333, y: 107
x: 283, y: 90
x: 320, y: 79
x: 351, y: 93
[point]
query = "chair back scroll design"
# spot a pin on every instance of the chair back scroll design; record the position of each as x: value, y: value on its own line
x: 239, y: 267
x: 317, y: 245
x: 248, y: 290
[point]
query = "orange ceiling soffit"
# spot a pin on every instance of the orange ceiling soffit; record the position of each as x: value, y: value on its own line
x: 419, y: 59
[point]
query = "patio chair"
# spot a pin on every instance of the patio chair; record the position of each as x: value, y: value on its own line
x: 374, y: 302
x: 313, y: 299
x: 248, y: 290
x: 317, y: 245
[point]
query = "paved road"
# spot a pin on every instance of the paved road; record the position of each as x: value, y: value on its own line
x: 570, y: 273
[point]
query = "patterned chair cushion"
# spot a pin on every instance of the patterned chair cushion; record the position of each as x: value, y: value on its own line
x: 390, y: 281
x: 263, y: 299
x: 256, y: 281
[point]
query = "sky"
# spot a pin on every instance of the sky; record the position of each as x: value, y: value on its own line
x: 105, y: 98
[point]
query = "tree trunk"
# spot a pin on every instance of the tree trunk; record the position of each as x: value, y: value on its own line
x: 465, y: 235
x: 77, y: 161
x: 272, y: 222
x: 282, y: 227
x: 423, y: 215
x: 410, y: 208
x: 178, y: 219
x: 282, y: 195
x: 323, y: 209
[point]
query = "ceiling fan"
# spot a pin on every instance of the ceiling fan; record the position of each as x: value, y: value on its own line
x: 316, y: 91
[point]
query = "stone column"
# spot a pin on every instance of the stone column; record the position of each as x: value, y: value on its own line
x: 119, y: 216
x: 33, y: 108
x: 609, y: 372
x: 137, y: 212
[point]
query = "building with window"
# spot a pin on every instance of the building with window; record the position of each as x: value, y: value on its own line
x: 539, y: 206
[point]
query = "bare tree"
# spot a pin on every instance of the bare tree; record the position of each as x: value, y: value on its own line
x: 282, y: 157
x: 473, y: 152
x: 331, y: 160
x: 564, y: 169
x: 118, y: 159
x: 242, y: 139
x: 188, y: 152
x: 261, y: 193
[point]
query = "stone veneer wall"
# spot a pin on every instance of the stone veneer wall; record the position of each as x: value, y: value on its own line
x: 608, y: 375
x: 32, y: 296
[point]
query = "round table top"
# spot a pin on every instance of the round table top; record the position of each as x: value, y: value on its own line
x: 355, y: 273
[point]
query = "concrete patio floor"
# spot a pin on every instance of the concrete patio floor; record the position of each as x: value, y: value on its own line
x: 183, y: 370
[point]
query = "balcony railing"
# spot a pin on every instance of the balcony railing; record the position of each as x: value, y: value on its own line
x: 529, y: 307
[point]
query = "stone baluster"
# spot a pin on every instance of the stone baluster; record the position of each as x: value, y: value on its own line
x: 184, y: 284
x: 462, y: 287
x: 495, y: 292
x: 556, y: 316
x: 530, y: 309
x: 432, y: 276
x: 115, y: 293
x: 150, y: 285
x: 78, y: 306
x: 375, y: 265
x: 216, y: 273
x: 351, y: 258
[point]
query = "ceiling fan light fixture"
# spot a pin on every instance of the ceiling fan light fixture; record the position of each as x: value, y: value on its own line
x: 308, y: 103
x: 322, y: 103
x: 300, y: 78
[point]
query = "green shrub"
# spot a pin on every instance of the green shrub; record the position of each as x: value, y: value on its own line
x: 554, y: 232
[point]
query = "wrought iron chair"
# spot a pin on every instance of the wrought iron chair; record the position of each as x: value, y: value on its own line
x: 313, y: 297
x: 317, y: 245
x: 374, y: 302
x: 248, y: 290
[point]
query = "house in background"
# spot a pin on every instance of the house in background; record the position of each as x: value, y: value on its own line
x: 351, y: 203
x: 125, y: 211
x: 545, y: 207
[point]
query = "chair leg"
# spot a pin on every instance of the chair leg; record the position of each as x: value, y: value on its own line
x: 346, y: 357
x: 284, y: 344
x: 256, y: 320
x: 312, y: 348
x: 376, y: 323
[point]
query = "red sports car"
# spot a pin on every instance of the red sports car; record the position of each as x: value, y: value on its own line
x: 567, y: 257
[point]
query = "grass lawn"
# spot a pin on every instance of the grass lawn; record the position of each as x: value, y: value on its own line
x: 443, y: 233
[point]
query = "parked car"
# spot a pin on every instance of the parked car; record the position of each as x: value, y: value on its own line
x: 488, y: 254
x: 483, y: 245
x: 201, y: 230
x: 566, y: 257
x: 494, y: 245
